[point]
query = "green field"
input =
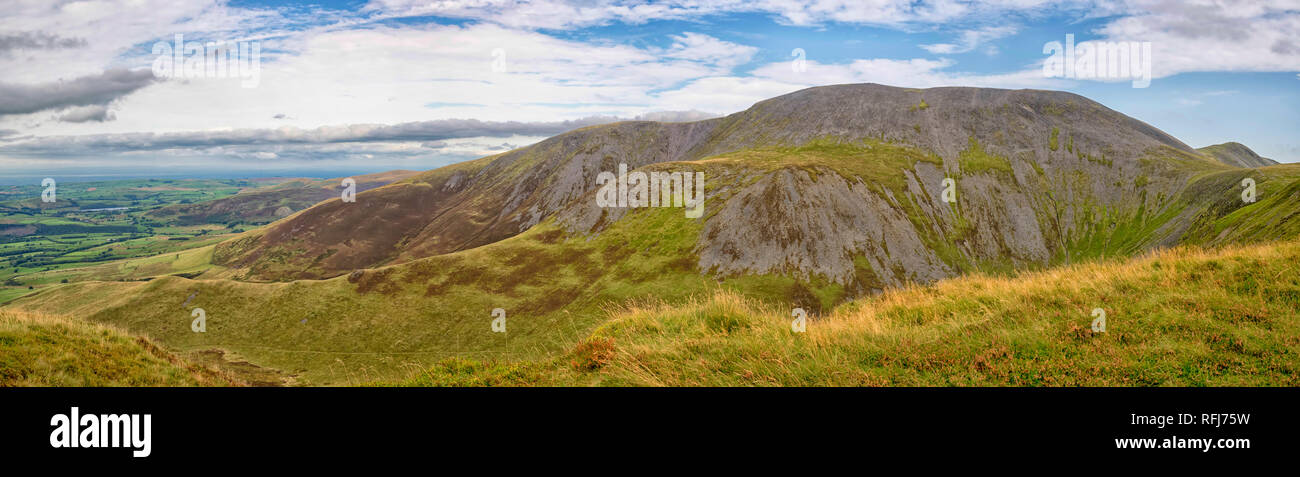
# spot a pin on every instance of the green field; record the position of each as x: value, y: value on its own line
x: 92, y: 224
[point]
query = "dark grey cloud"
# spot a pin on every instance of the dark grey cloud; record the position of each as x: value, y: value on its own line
x: 425, y: 131
x: 83, y: 114
x: 1285, y: 47
x: 98, y: 89
x: 36, y: 41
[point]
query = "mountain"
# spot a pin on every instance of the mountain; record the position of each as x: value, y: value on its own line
x: 266, y: 205
x: 842, y: 182
x: 1035, y: 142
x: 823, y: 199
x: 1236, y: 154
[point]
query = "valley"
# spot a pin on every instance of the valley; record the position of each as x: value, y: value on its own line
x: 92, y: 230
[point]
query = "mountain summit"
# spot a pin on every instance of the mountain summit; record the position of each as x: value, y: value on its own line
x: 1236, y: 154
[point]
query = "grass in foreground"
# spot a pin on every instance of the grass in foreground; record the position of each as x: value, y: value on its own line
x: 1181, y: 317
x: 49, y: 350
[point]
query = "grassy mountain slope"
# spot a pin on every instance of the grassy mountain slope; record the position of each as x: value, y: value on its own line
x: 385, y: 322
x: 1180, y: 317
x: 50, y: 350
x: 1236, y: 154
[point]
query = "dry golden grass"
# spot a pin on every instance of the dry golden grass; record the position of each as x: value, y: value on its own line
x: 38, y: 349
x: 1186, y: 316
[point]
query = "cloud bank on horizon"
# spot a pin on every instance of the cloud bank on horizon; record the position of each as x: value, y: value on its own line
x: 418, y: 84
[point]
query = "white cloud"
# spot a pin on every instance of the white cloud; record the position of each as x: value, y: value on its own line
x: 97, y: 113
x: 103, y: 30
x: 353, y: 133
x: 733, y: 93
x: 970, y: 39
x: 349, y: 69
x: 676, y: 116
x: 709, y: 50
x: 1208, y: 35
x: 387, y: 75
x: 561, y: 14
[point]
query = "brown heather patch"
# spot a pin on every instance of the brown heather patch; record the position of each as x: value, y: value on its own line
x: 804, y: 298
x: 468, y: 275
x: 550, y: 236
x: 614, y: 254
x: 684, y: 263
x: 378, y: 280
x: 393, y: 219
x: 551, y: 300
x: 422, y: 270
x: 593, y: 354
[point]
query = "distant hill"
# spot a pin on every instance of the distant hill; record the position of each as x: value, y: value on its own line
x: 1236, y: 154
x: 265, y: 205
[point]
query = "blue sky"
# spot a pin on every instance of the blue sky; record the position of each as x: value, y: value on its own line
x: 364, y: 86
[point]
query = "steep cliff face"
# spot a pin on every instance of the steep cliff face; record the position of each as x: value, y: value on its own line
x: 842, y: 182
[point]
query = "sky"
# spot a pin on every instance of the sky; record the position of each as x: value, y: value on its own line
x: 335, y: 88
